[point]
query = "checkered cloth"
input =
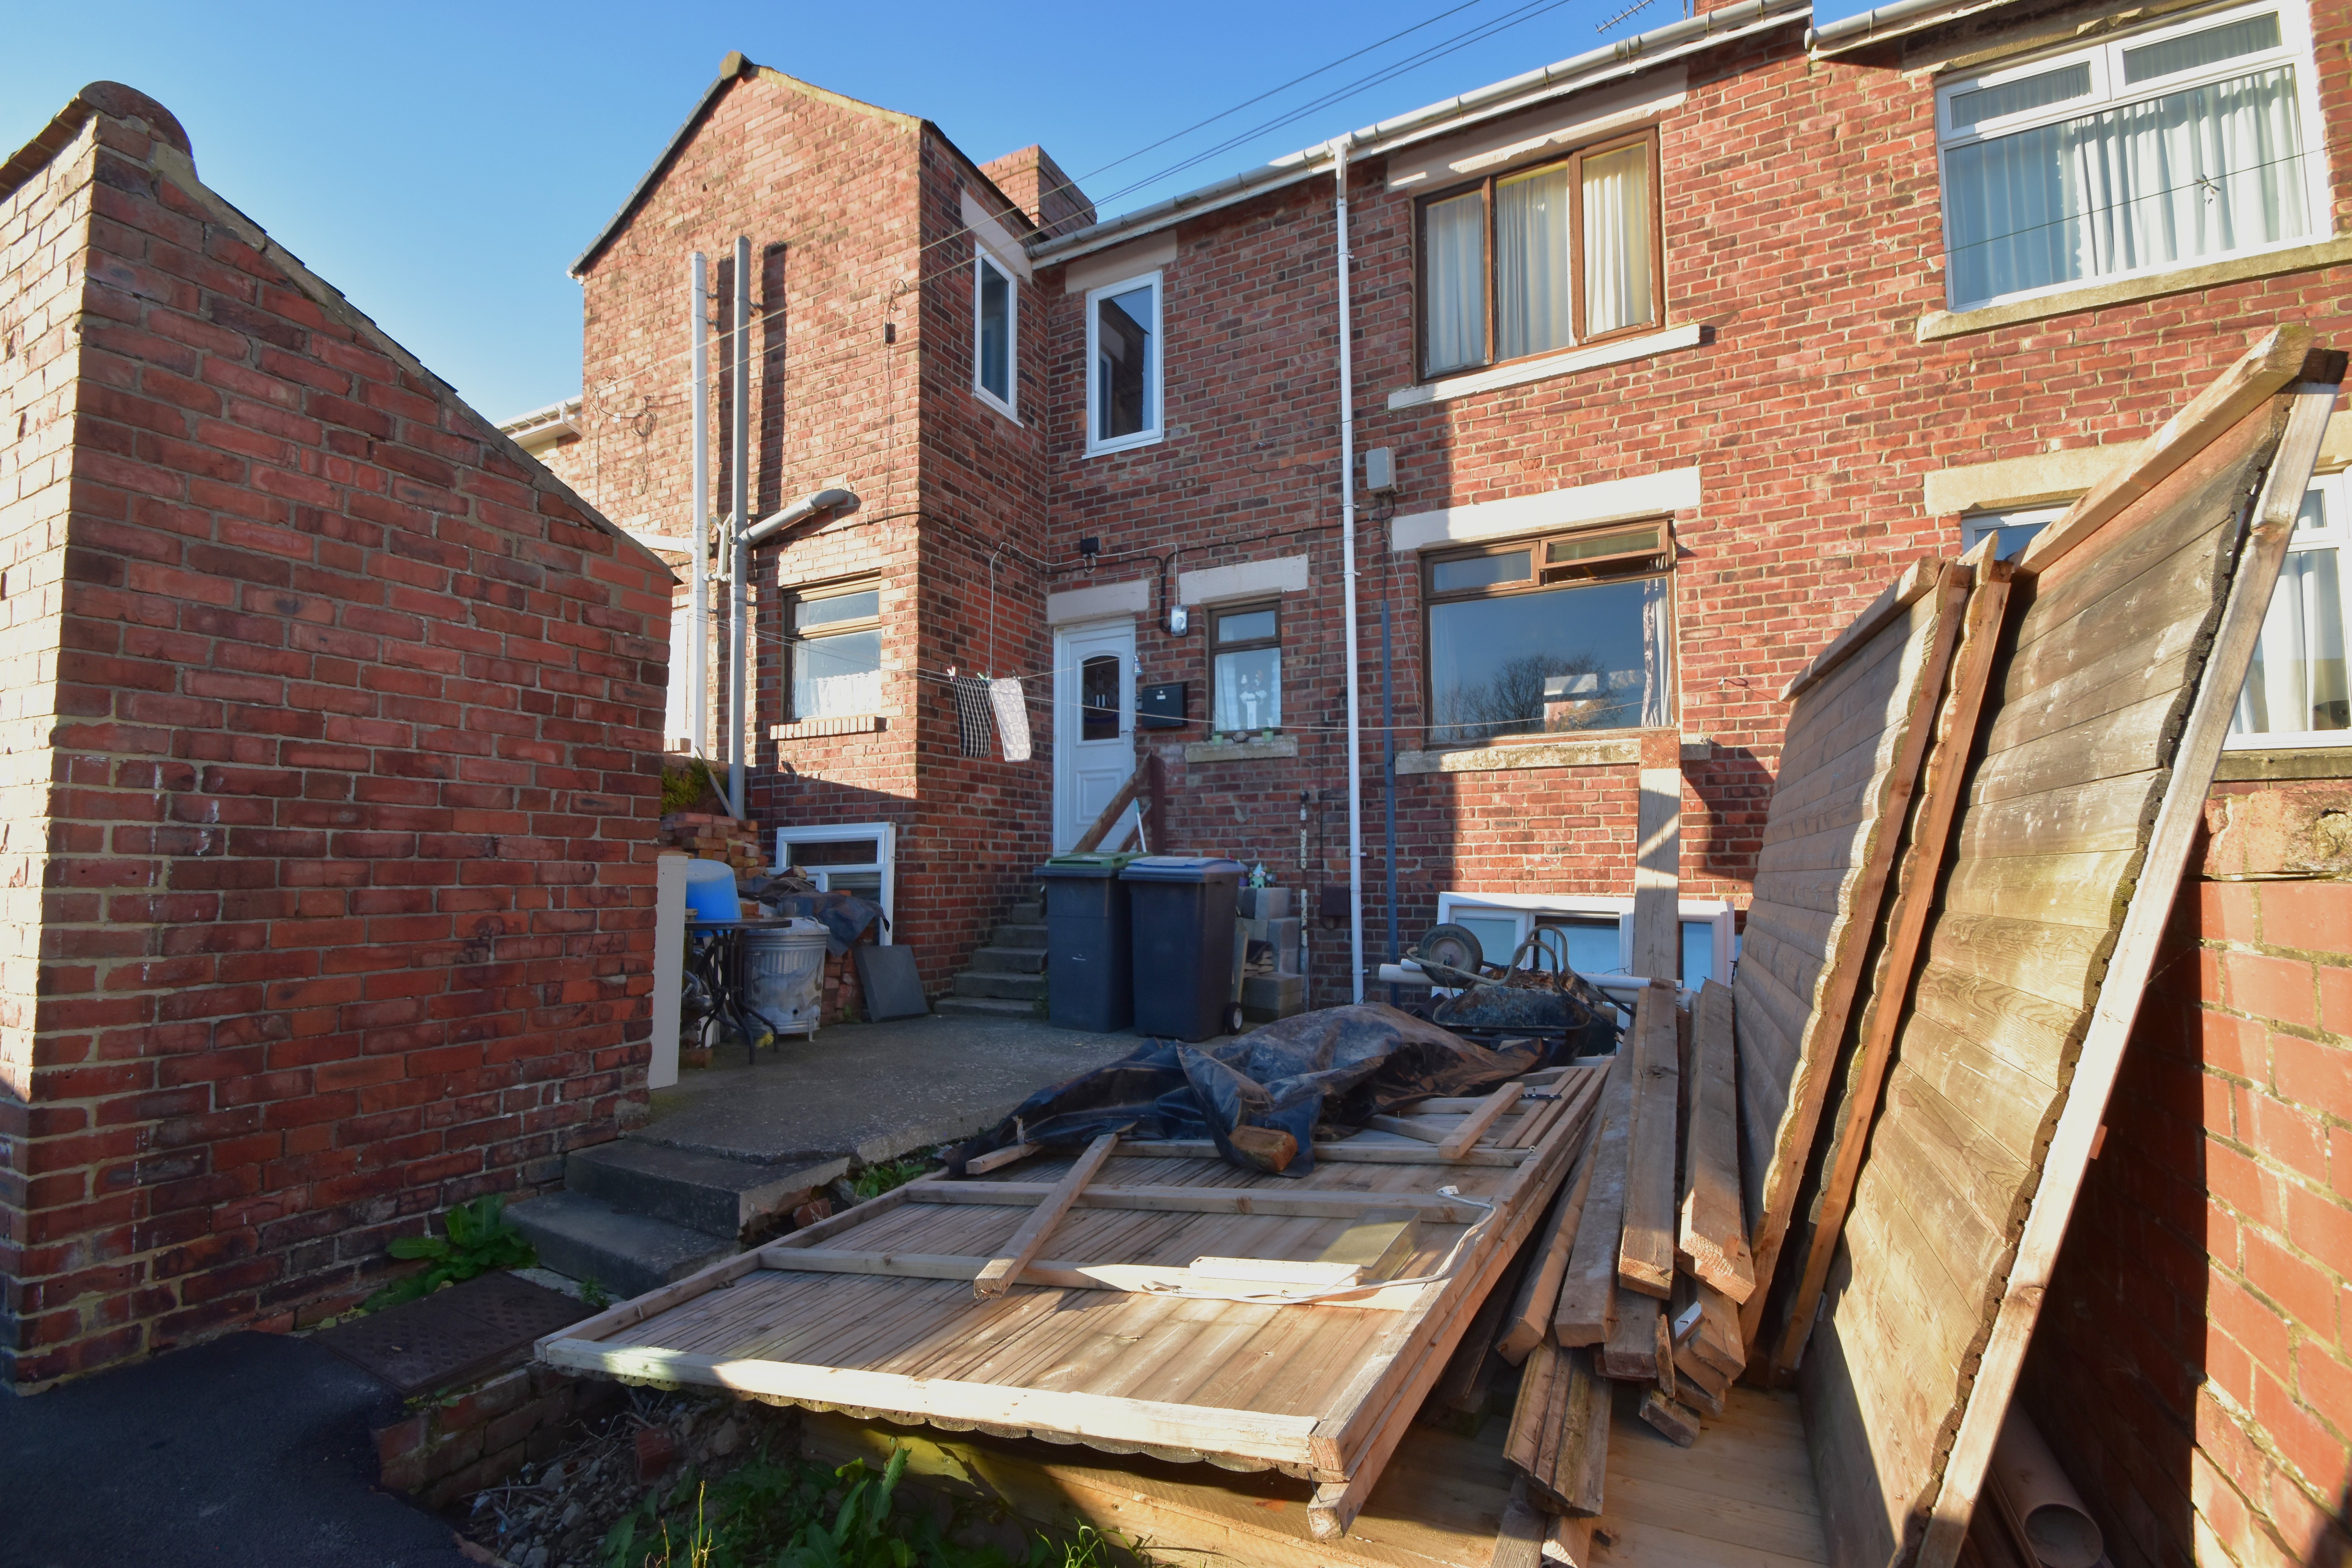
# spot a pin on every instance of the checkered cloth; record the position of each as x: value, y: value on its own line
x: 972, y: 697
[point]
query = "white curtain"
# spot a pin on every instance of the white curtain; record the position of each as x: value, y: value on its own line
x: 1618, y: 287
x: 2297, y: 681
x: 1453, y: 235
x: 1532, y: 265
x: 1658, y: 672
x: 2201, y: 172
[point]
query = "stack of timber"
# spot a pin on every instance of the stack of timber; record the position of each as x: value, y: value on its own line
x: 1141, y: 1298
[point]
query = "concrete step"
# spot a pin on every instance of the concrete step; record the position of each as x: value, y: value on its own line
x: 988, y: 1007
x: 627, y: 1253
x: 1021, y: 934
x: 1021, y: 987
x: 707, y: 1193
x: 1009, y: 960
x: 1029, y: 913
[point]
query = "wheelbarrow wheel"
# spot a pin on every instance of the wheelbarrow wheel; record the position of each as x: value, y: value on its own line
x: 1233, y: 1017
x: 1456, y: 947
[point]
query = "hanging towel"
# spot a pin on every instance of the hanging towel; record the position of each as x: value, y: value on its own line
x: 971, y: 713
x: 1012, y: 705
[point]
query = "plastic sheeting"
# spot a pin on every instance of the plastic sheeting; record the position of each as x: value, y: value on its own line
x: 1334, y: 1068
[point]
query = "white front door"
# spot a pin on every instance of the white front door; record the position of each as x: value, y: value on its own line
x: 1094, y: 726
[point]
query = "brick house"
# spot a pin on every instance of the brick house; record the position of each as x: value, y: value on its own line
x: 332, y: 729
x: 1690, y: 345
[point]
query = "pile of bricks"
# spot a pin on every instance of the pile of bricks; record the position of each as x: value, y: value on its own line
x: 707, y: 836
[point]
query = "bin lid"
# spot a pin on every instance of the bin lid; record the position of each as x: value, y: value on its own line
x: 1182, y: 869
x: 1088, y: 863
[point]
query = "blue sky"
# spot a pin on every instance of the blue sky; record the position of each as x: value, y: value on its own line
x: 443, y: 170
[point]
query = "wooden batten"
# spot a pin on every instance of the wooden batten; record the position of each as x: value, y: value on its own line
x: 1711, y: 1231
x: 1529, y: 1318
x: 1588, y: 1289
x: 1645, y: 1252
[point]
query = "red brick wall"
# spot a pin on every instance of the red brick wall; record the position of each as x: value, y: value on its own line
x: 346, y: 899
x: 2191, y: 1362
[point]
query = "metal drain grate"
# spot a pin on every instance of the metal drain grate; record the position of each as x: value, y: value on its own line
x: 454, y: 1335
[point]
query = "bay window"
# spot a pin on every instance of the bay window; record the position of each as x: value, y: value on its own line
x: 1552, y: 635
x: 1529, y: 262
x: 2164, y: 147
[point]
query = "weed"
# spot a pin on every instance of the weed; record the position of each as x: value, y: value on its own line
x: 687, y: 786
x: 480, y: 1237
x: 593, y: 1294
x: 875, y: 1180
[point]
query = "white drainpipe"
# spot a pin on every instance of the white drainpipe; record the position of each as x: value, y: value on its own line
x: 1347, y: 588
x: 740, y: 492
x: 697, y: 326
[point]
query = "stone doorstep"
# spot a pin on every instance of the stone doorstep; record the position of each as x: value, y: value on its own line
x: 712, y: 1194
x: 584, y: 1237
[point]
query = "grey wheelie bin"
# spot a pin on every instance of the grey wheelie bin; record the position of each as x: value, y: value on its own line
x: 1089, y: 955
x: 1183, y: 915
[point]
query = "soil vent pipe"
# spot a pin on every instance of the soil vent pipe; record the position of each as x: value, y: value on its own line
x: 738, y: 494
x: 698, y: 330
x: 1348, y: 586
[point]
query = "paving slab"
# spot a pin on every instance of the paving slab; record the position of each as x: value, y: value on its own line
x: 872, y: 1091
x: 253, y: 1451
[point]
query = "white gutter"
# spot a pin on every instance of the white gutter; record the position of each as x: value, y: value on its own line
x: 1627, y: 56
x: 1347, y: 584
x: 1890, y: 21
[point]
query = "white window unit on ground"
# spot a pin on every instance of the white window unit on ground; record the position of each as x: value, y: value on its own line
x: 856, y: 857
x: 1599, y: 932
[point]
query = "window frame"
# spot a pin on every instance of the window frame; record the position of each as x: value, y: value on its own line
x: 1156, y: 390
x: 1975, y: 525
x: 801, y: 594
x: 1579, y: 338
x: 1214, y: 650
x: 1534, y: 545
x: 885, y: 835
x: 1524, y: 910
x: 2337, y: 485
x: 2109, y: 91
x: 983, y: 263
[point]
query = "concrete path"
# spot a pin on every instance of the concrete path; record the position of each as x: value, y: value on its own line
x: 252, y: 1452
x: 872, y: 1091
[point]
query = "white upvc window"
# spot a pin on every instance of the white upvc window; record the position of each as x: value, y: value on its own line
x: 1125, y: 365
x: 2161, y: 149
x: 2016, y: 527
x: 1594, y: 934
x: 996, y: 335
x: 856, y: 858
x: 2295, y: 694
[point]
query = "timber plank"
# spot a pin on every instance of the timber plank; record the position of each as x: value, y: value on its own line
x: 1588, y: 1289
x: 1645, y: 1253
x: 1712, y: 1227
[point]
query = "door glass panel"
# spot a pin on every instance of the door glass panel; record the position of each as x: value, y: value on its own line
x: 1099, y: 698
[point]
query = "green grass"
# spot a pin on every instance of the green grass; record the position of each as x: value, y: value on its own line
x: 774, y: 1513
x: 875, y: 1180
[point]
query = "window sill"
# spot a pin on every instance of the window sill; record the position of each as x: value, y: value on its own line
x: 2291, y: 762
x: 988, y: 400
x: 1591, y: 751
x: 1239, y: 751
x: 811, y: 728
x: 1937, y: 325
x: 1125, y: 444
x: 1615, y: 353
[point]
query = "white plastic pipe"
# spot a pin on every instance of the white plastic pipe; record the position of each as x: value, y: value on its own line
x: 1347, y: 588
x: 698, y: 328
x: 738, y: 491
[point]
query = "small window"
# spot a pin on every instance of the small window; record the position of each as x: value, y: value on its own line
x: 2016, y: 528
x: 856, y: 857
x: 1574, y: 249
x: 1551, y: 636
x: 1123, y: 364
x: 837, y: 651
x: 2173, y: 146
x: 1245, y: 668
x: 2296, y: 692
x: 994, y: 310
x: 1099, y: 698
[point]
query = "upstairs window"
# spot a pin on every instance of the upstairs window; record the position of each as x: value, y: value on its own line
x: 2172, y: 146
x: 1549, y: 637
x: 837, y: 650
x: 1246, y: 658
x: 2016, y: 528
x: 1528, y: 263
x: 994, y: 312
x: 1123, y: 364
